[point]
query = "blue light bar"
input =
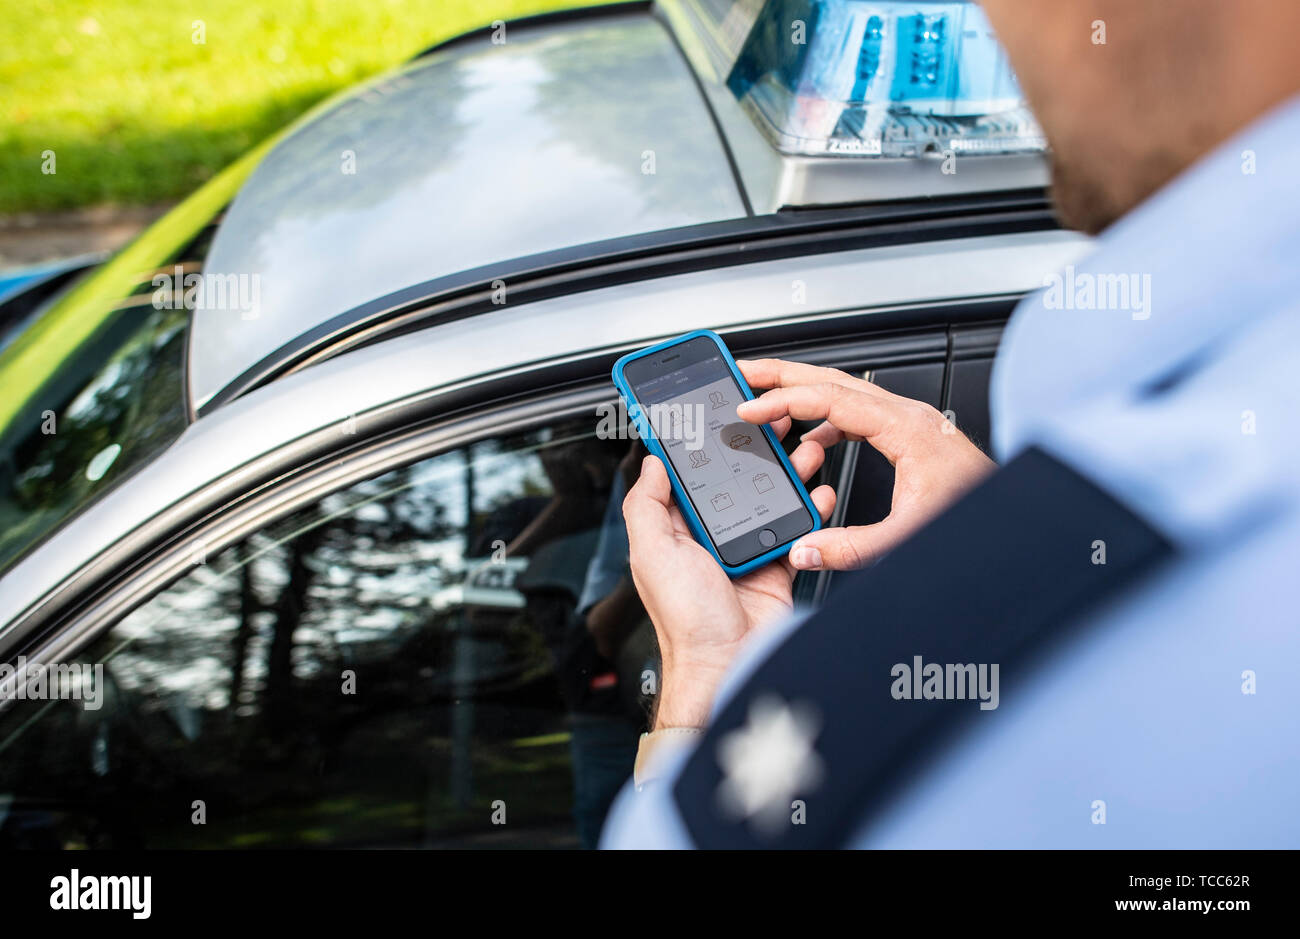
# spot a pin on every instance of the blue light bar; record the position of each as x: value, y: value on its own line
x: 886, y: 79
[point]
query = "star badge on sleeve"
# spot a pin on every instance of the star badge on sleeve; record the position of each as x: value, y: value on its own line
x: 769, y: 761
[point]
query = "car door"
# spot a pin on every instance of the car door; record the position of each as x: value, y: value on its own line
x: 398, y: 662
x: 431, y: 641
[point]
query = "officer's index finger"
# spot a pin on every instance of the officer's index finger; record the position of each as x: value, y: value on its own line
x: 848, y: 409
x: 778, y: 373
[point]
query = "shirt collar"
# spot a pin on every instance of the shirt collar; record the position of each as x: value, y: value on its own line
x: 1214, y: 257
x: 1215, y: 248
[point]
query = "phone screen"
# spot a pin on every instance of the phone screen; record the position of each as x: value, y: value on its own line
x: 734, y: 479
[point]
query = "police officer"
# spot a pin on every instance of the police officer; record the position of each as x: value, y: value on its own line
x: 1096, y: 643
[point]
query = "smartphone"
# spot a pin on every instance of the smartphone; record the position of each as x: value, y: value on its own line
x: 731, y: 479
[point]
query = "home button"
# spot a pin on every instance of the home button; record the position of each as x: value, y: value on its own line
x: 767, y: 537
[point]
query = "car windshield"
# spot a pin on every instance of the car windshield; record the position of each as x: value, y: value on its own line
x: 95, y: 386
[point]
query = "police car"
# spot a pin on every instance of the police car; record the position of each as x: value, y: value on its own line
x: 309, y: 529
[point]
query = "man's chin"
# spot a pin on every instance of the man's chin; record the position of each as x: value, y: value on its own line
x: 1091, y: 201
x: 1080, y: 201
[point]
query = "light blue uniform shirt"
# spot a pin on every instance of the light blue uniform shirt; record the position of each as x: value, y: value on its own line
x: 1147, y: 714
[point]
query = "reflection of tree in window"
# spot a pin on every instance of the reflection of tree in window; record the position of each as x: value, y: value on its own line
x: 123, y: 414
x: 229, y: 684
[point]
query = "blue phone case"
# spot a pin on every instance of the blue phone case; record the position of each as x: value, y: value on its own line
x: 652, y: 443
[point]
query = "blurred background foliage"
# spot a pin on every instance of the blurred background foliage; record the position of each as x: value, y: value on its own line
x: 137, y: 112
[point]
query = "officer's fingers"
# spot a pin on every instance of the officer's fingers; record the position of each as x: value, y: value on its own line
x: 843, y: 549
x: 646, y: 509
x: 778, y: 373
x: 675, y: 516
x: 823, y: 498
x: 679, y: 521
x: 852, y: 411
x: 807, y: 459
x: 828, y: 435
x: 782, y: 427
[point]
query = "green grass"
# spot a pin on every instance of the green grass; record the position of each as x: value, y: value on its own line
x: 137, y: 113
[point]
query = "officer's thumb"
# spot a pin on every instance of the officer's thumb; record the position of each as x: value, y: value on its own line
x: 844, y: 549
x: 645, y: 509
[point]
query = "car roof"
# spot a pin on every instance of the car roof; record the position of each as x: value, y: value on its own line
x: 571, y: 131
x: 582, y: 128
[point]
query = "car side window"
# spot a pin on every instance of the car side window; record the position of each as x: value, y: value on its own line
x: 450, y: 654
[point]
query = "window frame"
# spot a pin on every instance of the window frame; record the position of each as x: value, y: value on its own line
x: 311, y: 467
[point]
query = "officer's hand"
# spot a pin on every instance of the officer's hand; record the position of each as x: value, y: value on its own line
x: 933, y: 462
x: 700, y: 615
